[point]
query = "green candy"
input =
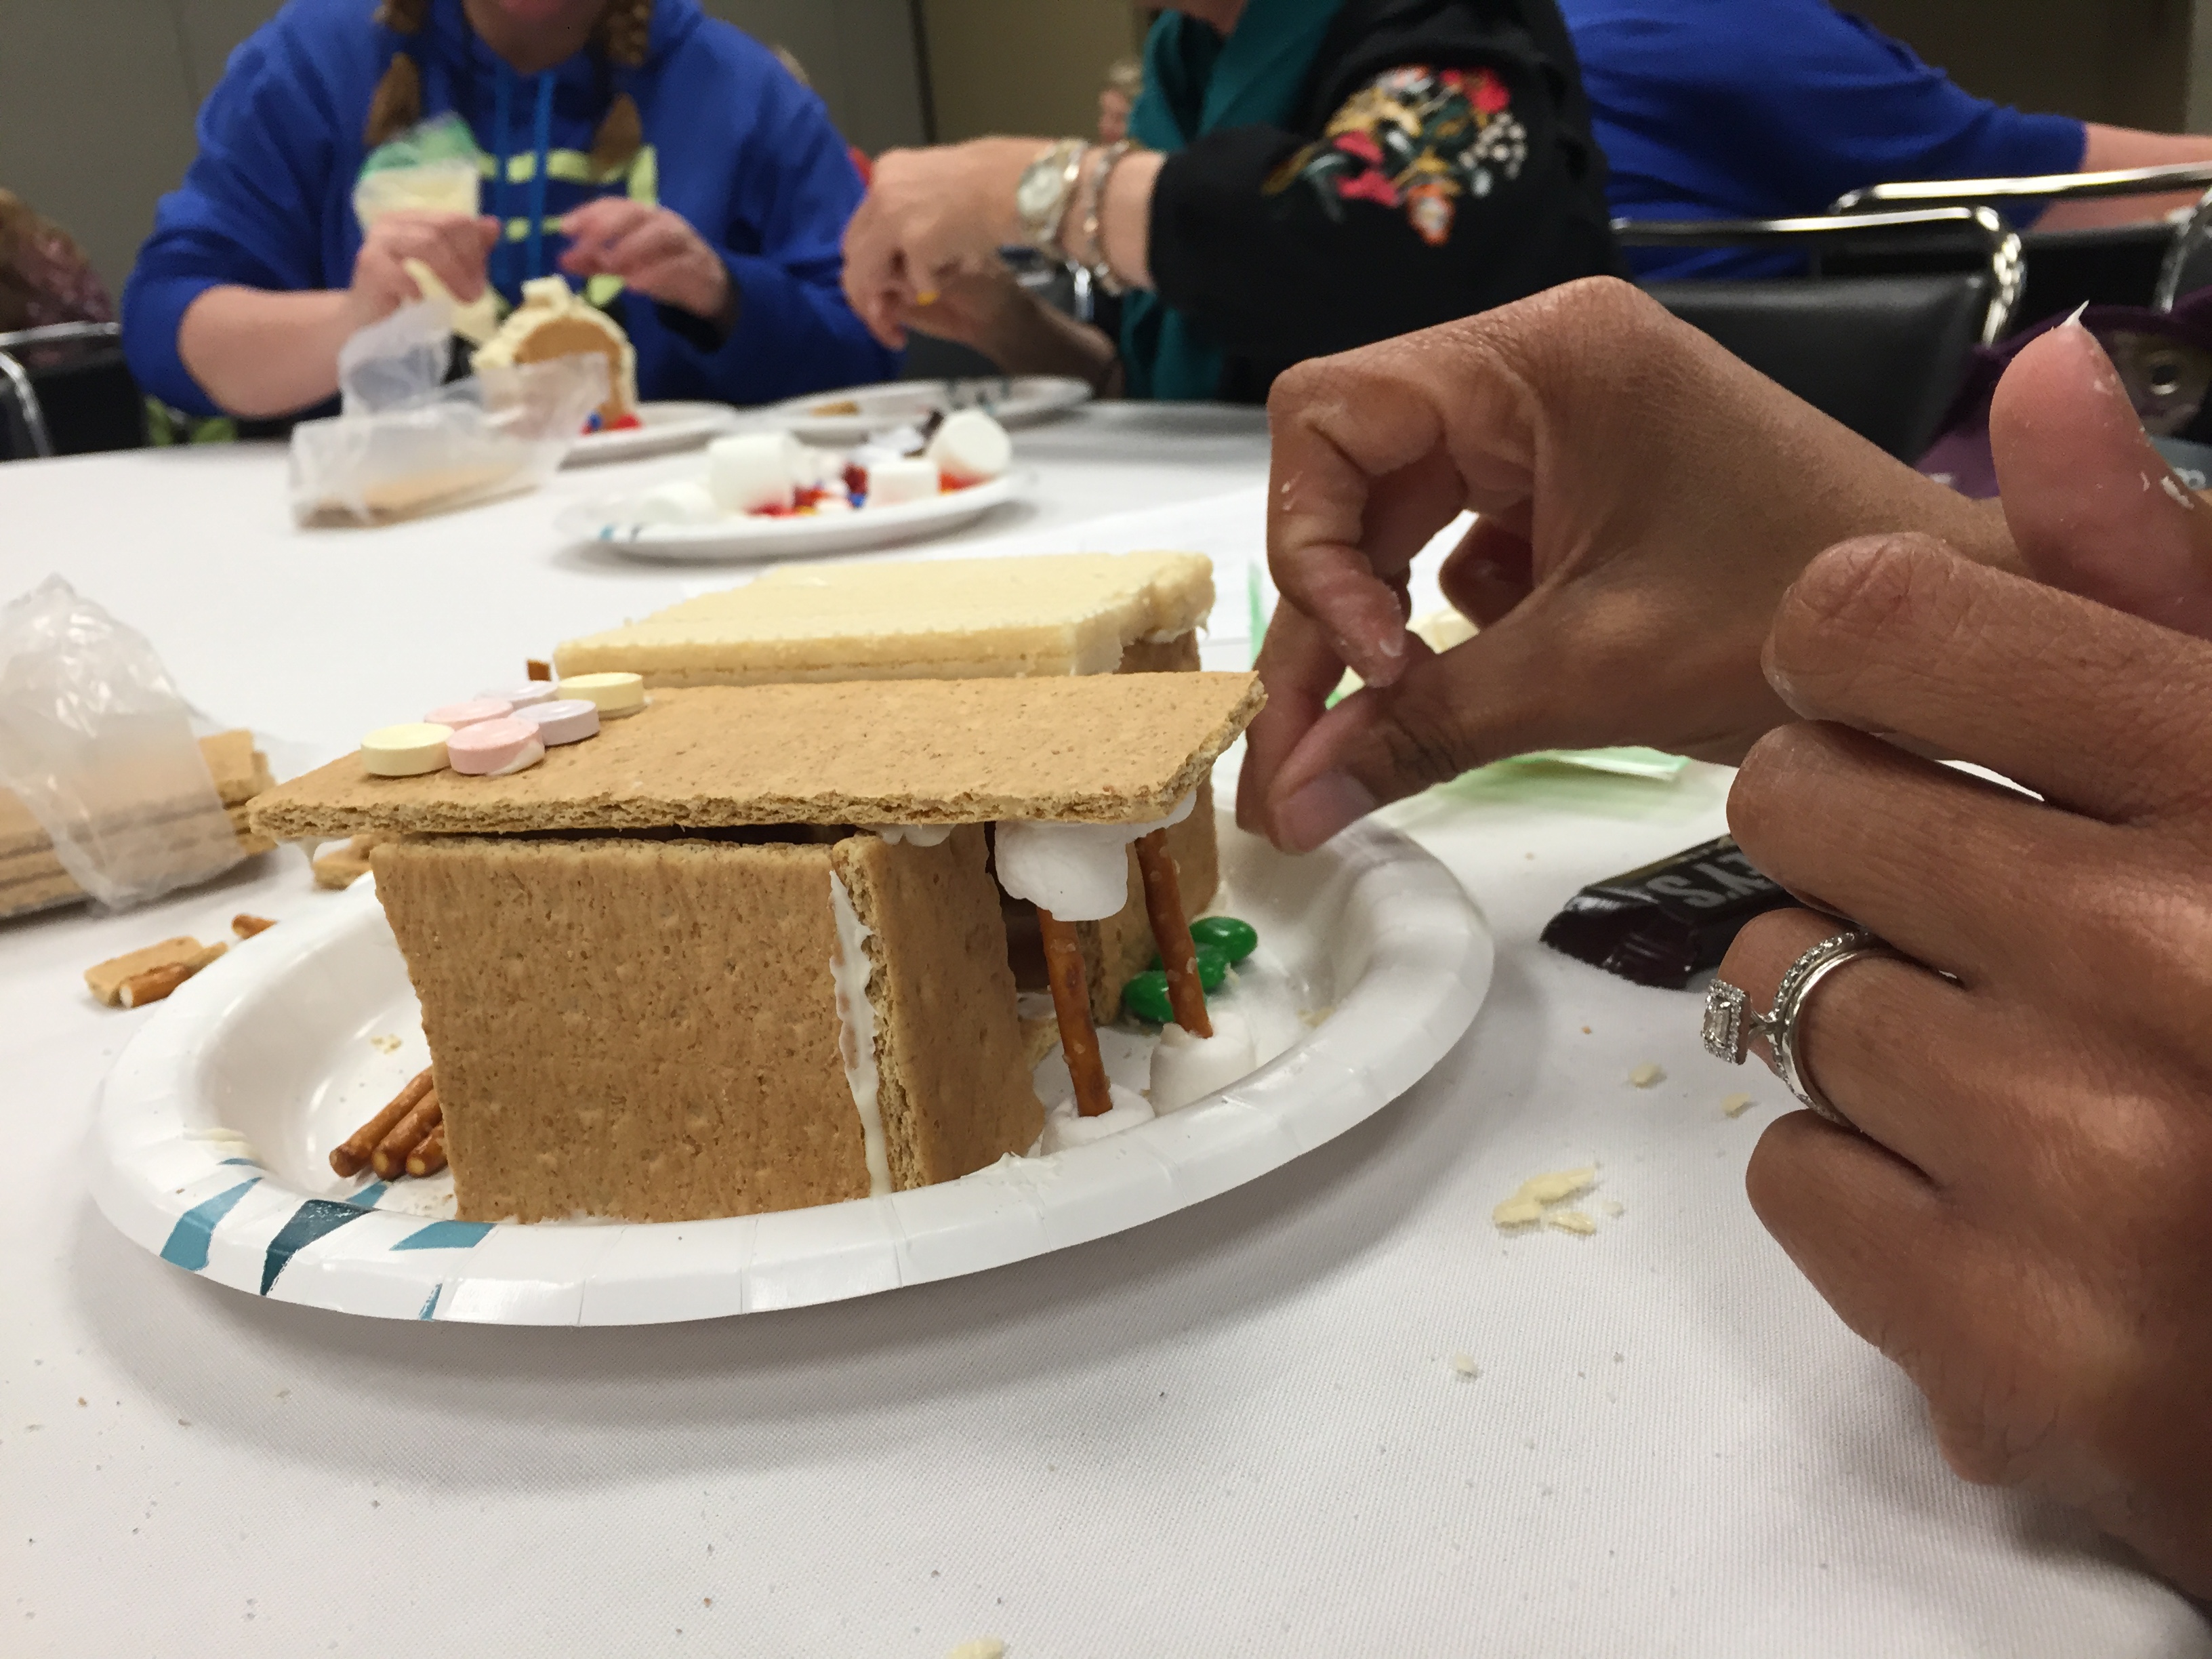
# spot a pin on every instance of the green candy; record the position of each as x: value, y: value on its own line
x: 1147, y: 997
x: 1212, y: 967
x: 1233, y: 938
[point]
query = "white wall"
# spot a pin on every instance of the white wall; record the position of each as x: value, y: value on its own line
x: 97, y: 96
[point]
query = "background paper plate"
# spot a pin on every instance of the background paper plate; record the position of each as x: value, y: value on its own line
x: 662, y: 429
x: 214, y: 1127
x: 601, y: 522
x: 1017, y: 400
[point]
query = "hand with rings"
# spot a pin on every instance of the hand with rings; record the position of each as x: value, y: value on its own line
x: 2017, y: 1030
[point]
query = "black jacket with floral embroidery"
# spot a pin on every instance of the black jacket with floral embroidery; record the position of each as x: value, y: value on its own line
x: 1442, y: 164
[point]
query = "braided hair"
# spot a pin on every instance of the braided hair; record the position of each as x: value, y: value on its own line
x: 620, y: 37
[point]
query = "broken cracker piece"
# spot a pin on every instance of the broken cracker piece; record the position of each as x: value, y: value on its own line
x: 106, y: 979
x: 1571, y: 1221
x: 1647, y: 1075
x: 1519, y: 1211
x: 246, y: 925
x: 1560, y: 1185
x: 348, y: 865
x: 1737, y: 1105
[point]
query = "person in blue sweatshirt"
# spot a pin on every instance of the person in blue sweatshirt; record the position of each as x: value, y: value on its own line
x: 636, y: 142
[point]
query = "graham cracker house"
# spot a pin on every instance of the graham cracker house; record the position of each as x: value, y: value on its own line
x: 744, y: 950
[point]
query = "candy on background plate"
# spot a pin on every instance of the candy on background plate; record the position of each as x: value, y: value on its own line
x: 892, y: 481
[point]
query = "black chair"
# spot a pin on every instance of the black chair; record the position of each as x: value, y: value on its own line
x: 1884, y: 355
x: 2115, y: 265
x: 66, y: 390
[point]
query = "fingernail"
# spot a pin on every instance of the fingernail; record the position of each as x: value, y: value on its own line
x: 1320, y: 809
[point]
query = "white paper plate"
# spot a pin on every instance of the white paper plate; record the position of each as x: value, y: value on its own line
x: 662, y: 429
x: 1019, y: 400
x: 601, y: 521
x: 214, y: 1127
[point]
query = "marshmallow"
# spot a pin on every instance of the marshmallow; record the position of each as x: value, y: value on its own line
x: 493, y: 749
x: 405, y: 751
x: 471, y: 713
x: 522, y: 696
x: 612, y: 695
x: 565, y: 720
x: 890, y: 482
x: 970, y: 448
x: 685, y: 500
x: 752, y: 471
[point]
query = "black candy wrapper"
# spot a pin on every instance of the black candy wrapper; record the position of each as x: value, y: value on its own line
x: 1661, y: 925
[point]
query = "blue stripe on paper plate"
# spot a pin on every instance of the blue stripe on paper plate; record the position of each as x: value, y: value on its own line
x: 188, y: 1240
x: 445, y: 1236
x: 367, y: 1197
x: 310, y: 1222
x: 430, y: 1306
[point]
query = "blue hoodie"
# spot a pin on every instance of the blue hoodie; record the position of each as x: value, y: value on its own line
x: 733, y: 142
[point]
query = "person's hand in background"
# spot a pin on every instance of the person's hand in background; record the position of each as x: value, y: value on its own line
x: 2024, y: 1223
x: 455, y: 246
x: 1645, y: 499
x: 930, y: 214
x: 654, y: 250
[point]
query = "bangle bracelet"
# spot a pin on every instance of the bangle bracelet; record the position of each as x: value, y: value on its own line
x: 1092, y: 205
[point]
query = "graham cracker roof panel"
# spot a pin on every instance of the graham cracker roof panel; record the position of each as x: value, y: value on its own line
x: 1102, y: 749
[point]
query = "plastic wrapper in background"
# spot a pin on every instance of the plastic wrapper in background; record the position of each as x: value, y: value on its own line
x: 430, y: 167
x: 404, y: 445
x: 98, y: 747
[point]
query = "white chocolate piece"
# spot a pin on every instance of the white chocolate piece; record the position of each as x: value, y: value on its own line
x: 612, y: 695
x: 751, y: 472
x: 564, y: 720
x: 405, y: 751
x: 892, y: 483
x: 1079, y: 871
x: 970, y: 448
x: 474, y: 712
x: 495, y: 749
x: 683, y: 500
x: 1186, y: 1069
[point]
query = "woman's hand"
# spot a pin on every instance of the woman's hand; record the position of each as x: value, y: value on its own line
x: 454, y: 246
x: 1645, y: 498
x: 653, y: 249
x: 2024, y: 1225
x: 930, y: 213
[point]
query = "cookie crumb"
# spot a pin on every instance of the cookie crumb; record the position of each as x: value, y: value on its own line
x: 983, y: 1647
x: 1614, y: 1208
x: 1463, y: 1365
x: 385, y: 1045
x: 1647, y: 1074
x: 1571, y: 1221
x: 1737, y: 1105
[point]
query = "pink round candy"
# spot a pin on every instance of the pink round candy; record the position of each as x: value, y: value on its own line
x: 493, y: 746
x: 474, y: 712
x: 565, y: 720
x: 522, y: 696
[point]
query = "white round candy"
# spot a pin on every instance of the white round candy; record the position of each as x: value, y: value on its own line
x: 750, y: 471
x: 970, y: 448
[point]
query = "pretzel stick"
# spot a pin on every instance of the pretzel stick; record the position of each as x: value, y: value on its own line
x: 352, y: 1158
x: 536, y: 669
x: 430, y: 1156
x: 1171, y: 932
x: 1071, y: 1000
x: 389, y: 1160
x: 246, y: 927
x: 153, y: 985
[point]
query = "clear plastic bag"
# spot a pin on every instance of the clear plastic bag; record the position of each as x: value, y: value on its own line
x: 97, y: 745
x: 432, y: 166
x: 405, y: 446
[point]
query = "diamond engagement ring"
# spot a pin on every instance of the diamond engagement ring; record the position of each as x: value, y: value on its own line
x: 1728, y: 1032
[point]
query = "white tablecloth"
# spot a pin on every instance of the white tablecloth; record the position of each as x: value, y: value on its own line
x: 1238, y: 1430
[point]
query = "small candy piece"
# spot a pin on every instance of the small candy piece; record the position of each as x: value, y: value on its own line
x: 754, y: 471
x: 1147, y: 997
x: 521, y: 696
x: 612, y: 695
x: 1233, y: 938
x: 471, y: 713
x: 405, y: 751
x: 493, y: 749
x: 892, y: 481
x: 565, y: 720
x: 969, y: 447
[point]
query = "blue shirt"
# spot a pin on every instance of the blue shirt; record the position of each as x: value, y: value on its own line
x: 733, y: 143
x: 1763, y: 109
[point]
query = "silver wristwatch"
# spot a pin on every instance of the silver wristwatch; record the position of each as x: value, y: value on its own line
x: 1041, y: 197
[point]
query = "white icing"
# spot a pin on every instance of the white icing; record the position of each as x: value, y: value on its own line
x: 1079, y: 871
x: 856, y: 1030
x: 1064, y: 1127
x: 920, y: 834
x: 1186, y: 1069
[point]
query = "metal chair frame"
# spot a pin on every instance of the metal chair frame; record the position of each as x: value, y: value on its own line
x: 17, y: 381
x: 2007, y: 258
x: 2192, y: 233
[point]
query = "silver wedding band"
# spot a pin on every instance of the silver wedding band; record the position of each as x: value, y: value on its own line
x: 1728, y: 1033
